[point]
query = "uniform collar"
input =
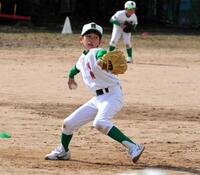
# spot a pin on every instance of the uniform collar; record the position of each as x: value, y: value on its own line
x: 85, y: 52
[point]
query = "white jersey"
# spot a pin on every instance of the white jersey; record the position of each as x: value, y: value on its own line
x: 121, y: 17
x: 93, y: 76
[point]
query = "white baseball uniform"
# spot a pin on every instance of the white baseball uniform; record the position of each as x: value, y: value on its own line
x: 117, y: 32
x: 102, y: 107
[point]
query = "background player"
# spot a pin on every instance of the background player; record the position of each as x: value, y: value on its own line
x: 103, y: 106
x: 120, y: 20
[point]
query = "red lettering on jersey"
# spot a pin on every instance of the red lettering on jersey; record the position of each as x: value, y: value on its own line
x: 90, y: 71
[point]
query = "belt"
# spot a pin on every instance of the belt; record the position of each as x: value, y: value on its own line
x: 102, y: 91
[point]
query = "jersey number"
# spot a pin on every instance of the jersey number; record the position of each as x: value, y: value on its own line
x: 90, y: 71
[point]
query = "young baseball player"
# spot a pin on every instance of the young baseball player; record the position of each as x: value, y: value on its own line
x: 100, y: 109
x: 124, y: 22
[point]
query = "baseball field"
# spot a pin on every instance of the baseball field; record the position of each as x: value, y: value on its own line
x: 161, y: 106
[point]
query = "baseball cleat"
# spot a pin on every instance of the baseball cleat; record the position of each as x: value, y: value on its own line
x: 136, y: 152
x: 129, y: 60
x: 58, y: 154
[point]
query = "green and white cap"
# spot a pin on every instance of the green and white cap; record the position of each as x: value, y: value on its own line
x: 92, y: 27
x: 130, y: 5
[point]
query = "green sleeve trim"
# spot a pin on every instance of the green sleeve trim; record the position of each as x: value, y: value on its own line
x: 115, y: 22
x: 73, y: 72
x: 100, y: 53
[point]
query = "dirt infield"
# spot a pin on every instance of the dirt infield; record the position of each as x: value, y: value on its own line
x: 161, y: 108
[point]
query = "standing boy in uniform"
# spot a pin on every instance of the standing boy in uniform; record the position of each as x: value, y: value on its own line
x: 120, y: 20
x: 100, y: 109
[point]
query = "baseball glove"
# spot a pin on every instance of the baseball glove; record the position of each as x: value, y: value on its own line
x: 129, y: 27
x: 114, y: 62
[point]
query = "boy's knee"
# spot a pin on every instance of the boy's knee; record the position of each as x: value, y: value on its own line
x: 128, y: 46
x: 102, y: 126
x: 67, y: 127
x: 113, y: 43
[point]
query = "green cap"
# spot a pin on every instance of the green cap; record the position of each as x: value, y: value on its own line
x: 4, y: 135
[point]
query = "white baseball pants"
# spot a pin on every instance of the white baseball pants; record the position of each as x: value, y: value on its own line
x: 116, y: 35
x: 101, y: 109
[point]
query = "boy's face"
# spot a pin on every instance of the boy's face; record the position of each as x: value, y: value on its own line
x: 130, y: 12
x: 90, y: 40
